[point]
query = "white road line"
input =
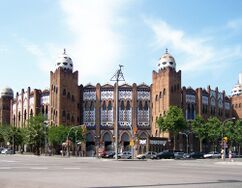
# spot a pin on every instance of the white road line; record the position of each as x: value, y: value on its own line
x: 71, y: 168
x: 38, y: 168
x: 5, y: 168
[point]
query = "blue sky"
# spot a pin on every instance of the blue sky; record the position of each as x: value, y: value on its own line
x: 204, y: 37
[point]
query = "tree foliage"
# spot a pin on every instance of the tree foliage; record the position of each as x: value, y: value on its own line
x: 200, y: 129
x: 173, y: 121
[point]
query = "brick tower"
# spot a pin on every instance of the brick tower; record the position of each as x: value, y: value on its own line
x: 166, y: 90
x: 5, y: 104
x: 64, y: 93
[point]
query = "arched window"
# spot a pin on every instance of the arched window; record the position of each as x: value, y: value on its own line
x: 19, y: 115
x: 160, y: 94
x: 107, y: 137
x: 68, y: 95
x: 104, y: 105
x: 146, y: 106
x: 63, y: 113
x: 25, y: 115
x: 56, y: 90
x: 92, y: 106
x: 64, y: 92
x: 110, y: 105
x: 31, y: 113
x: 192, y: 112
x: 140, y: 105
x: 86, y: 106
x: 156, y: 97
x: 122, y: 105
x: 68, y: 116
x: 43, y: 109
x: 164, y: 91
x: 128, y: 106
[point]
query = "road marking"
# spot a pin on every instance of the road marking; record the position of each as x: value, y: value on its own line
x: 5, y: 168
x: 71, y: 168
x: 39, y: 168
x: 7, y: 161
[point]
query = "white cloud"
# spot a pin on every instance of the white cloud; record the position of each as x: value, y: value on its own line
x: 45, y: 56
x: 97, y: 43
x: 196, y: 54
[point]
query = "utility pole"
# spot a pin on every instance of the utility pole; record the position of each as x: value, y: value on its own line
x: 118, y: 76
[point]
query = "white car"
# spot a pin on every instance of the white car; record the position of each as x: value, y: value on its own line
x: 125, y: 155
x: 212, y: 154
x: 147, y: 155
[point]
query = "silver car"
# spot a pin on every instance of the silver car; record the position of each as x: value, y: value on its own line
x: 212, y: 155
x: 147, y: 155
x: 125, y: 155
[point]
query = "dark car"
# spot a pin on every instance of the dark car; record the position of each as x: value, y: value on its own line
x: 180, y: 155
x: 196, y: 155
x: 165, y: 155
x: 109, y: 154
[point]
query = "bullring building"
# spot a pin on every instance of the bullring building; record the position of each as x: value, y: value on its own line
x: 68, y: 103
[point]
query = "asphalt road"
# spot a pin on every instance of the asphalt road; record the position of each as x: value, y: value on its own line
x: 26, y: 171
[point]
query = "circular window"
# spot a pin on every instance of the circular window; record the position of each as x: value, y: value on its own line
x: 163, y: 63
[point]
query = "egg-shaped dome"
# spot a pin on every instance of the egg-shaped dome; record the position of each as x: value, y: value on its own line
x: 166, y: 60
x: 237, y: 90
x: 6, y: 92
x: 64, y: 61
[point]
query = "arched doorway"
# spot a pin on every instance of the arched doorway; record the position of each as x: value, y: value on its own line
x: 125, y: 142
x: 90, y: 145
x: 142, y: 142
x: 107, y: 139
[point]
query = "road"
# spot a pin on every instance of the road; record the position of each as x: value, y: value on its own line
x: 27, y: 171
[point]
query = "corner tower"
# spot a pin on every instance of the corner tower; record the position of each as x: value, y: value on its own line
x: 64, y: 93
x: 166, y: 89
x: 5, y: 105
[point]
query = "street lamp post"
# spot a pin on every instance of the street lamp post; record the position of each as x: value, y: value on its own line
x: 223, y: 142
x: 45, y: 130
x: 186, y: 134
x: 117, y: 77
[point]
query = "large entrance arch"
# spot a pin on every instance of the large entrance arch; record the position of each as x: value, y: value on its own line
x: 107, y: 139
x: 125, y: 142
x: 90, y: 145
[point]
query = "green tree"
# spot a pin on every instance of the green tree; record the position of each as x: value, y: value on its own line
x: 173, y: 122
x: 200, y: 129
x: 214, y: 130
x: 36, y: 133
x: 238, y: 134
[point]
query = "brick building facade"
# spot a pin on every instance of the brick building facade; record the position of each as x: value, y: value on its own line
x: 68, y: 103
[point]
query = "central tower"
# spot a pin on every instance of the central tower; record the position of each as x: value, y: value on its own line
x: 166, y: 90
x: 64, y: 93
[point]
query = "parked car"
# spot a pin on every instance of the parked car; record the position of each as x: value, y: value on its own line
x: 147, y: 155
x: 212, y: 155
x: 165, y: 155
x: 196, y: 155
x: 7, y: 151
x: 125, y: 155
x: 180, y: 155
x: 106, y: 154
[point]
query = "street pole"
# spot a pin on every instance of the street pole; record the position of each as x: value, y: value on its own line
x: 117, y: 77
x: 187, y: 135
x: 45, y: 131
